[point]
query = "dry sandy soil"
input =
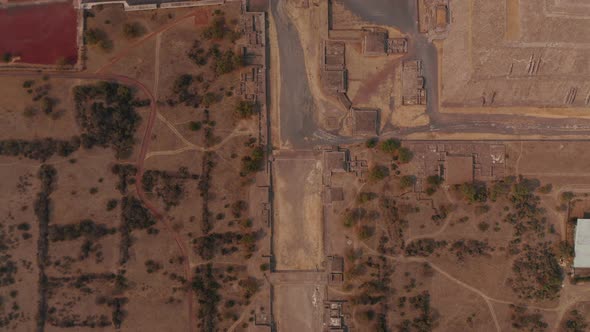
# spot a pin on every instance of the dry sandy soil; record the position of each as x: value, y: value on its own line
x: 153, y: 286
x: 299, y: 218
x: 460, y: 299
x: 297, y: 307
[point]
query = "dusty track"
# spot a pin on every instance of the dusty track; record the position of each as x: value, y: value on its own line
x: 141, y: 158
x: 143, y: 39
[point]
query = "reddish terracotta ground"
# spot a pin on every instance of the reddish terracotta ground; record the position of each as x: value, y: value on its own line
x: 41, y: 34
x: 201, y: 17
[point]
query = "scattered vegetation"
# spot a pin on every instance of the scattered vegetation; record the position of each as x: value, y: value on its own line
x: 39, y: 149
x: 133, y: 216
x: 226, y: 62
x: 575, y: 322
x: 254, y: 162
x: 87, y: 228
x: 424, y: 247
x: 434, y: 182
x: 167, y: 186
x: 474, y: 192
x: 372, y: 142
x: 133, y: 30
x: 152, y: 266
x: 204, y: 183
x: 407, y: 181
x: 112, y: 204
x: 184, y: 92
x: 537, y: 274
x: 405, y: 155
x: 525, y: 321
x: 226, y: 243
x: 378, y: 172
x: 47, y: 176
x: 245, y: 109
x: 390, y: 145
x: 106, y: 114
x: 218, y: 29
x: 206, y: 290
x: 471, y: 247
x: 98, y: 37
x: 427, y: 317
x: 365, y: 197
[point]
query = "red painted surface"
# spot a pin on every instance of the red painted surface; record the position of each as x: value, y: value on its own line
x: 40, y: 34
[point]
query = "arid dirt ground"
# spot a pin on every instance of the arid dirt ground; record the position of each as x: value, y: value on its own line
x: 141, y: 192
x: 153, y: 238
x: 298, y: 223
x: 381, y: 213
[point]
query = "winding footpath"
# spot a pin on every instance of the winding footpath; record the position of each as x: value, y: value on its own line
x: 141, y: 157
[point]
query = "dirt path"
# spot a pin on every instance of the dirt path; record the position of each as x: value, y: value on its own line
x: 560, y: 309
x: 193, y: 147
x: 142, y: 40
x: 441, y: 230
x: 174, y: 130
x: 157, y: 66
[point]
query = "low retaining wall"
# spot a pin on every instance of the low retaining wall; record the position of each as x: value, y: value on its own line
x: 153, y: 6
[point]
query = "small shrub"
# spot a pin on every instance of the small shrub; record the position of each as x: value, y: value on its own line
x: 99, y: 38
x: 434, y: 180
x: 390, y: 146
x: 245, y: 109
x: 407, y: 181
x: 545, y: 189
x: 405, y: 155
x: 112, y: 204
x: 483, y: 226
x: 474, y: 192
x: 365, y: 232
x: 567, y: 196
x: 378, y: 172
x: 195, y: 125
x: 371, y: 142
x: 133, y: 30
x: 366, y: 197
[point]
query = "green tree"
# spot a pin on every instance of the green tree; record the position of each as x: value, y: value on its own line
x: 133, y: 30
x: 227, y: 62
x: 474, y: 192
x: 209, y: 99
x: 94, y: 36
x: 407, y: 181
x: 371, y: 142
x: 245, y: 109
x: 195, y: 125
x: 47, y: 105
x: 365, y: 232
x: 378, y: 172
x: 567, y: 196
x: 405, y: 155
x: 390, y: 146
x: 216, y: 30
x: 434, y: 180
x: 253, y: 162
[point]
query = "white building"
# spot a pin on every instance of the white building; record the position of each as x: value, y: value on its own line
x: 582, y: 244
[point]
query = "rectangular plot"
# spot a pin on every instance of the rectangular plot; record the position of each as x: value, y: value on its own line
x: 298, y: 222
